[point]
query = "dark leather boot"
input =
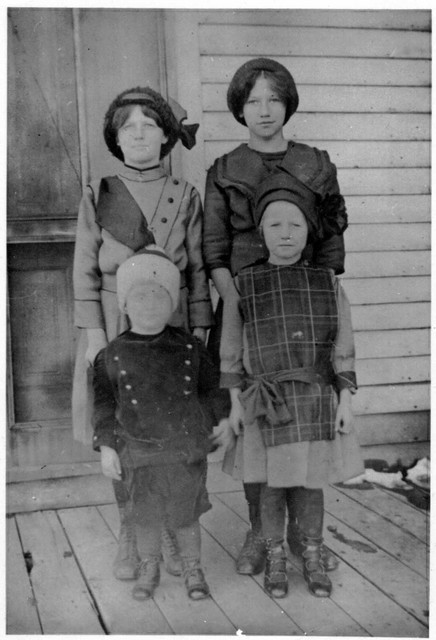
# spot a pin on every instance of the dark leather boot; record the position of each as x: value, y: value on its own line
x: 313, y: 569
x: 195, y: 582
x: 148, y: 579
x: 276, y: 577
x: 170, y: 552
x: 294, y: 539
x: 251, y: 559
x: 127, y: 560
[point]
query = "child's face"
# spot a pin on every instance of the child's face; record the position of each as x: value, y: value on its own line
x: 264, y: 112
x: 140, y: 139
x: 149, y: 307
x: 285, y: 230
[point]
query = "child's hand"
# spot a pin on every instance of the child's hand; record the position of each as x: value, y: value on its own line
x: 223, y: 435
x: 344, y: 413
x: 200, y: 333
x: 110, y: 463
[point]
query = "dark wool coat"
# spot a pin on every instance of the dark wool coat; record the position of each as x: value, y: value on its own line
x: 231, y: 240
x: 151, y: 391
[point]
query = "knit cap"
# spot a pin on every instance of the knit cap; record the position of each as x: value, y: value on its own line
x: 280, y: 185
x: 237, y: 91
x: 151, y: 264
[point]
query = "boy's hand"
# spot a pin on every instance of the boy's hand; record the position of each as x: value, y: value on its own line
x: 200, y: 333
x: 110, y: 463
x: 344, y: 413
x: 223, y: 435
x: 236, y: 417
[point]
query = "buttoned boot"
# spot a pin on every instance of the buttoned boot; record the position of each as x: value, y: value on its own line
x: 148, y: 579
x: 251, y: 559
x: 195, y: 582
x: 294, y: 538
x: 313, y: 569
x: 276, y: 577
x: 170, y: 552
x: 127, y: 560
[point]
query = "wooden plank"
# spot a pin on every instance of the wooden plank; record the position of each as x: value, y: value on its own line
x: 379, y: 531
x: 226, y: 525
x: 95, y: 548
x: 321, y: 99
x: 378, y: 613
x: 391, y: 316
x: 231, y: 39
x: 329, y: 126
x: 184, y: 616
x: 63, y: 601
x: 27, y: 474
x: 335, y: 71
x: 368, y: 264
x: 389, y: 237
x: 386, y: 290
x: 407, y: 452
x: 393, y: 370
x: 392, y: 398
x: 416, y: 522
x: 350, y: 154
x: 414, y: 20
x: 393, y: 428
x: 407, y: 181
x: 21, y: 612
x: 394, y: 208
x: 58, y: 493
x: 407, y: 588
x: 396, y: 342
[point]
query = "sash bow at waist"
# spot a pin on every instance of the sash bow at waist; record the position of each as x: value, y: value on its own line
x: 263, y: 397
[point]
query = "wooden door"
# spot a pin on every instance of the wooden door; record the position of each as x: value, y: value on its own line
x: 64, y: 68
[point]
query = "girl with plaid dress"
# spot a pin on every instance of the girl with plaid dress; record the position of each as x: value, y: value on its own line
x: 262, y: 97
x: 287, y: 356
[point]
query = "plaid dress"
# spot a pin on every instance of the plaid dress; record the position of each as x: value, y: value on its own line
x: 290, y: 366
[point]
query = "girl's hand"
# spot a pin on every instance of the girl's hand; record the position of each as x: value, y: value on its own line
x: 110, y: 463
x: 344, y: 413
x: 97, y: 341
x: 236, y: 417
x: 200, y: 333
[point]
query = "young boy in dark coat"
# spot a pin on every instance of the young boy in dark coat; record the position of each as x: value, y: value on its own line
x: 152, y: 423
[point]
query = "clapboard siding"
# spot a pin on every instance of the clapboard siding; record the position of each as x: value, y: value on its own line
x: 364, y: 81
x: 330, y: 71
x: 322, y: 99
x: 385, y: 20
x: 357, y: 154
x: 314, y: 42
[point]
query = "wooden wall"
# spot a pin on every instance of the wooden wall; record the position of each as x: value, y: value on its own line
x: 364, y: 84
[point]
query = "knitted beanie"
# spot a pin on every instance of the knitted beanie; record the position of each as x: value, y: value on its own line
x: 280, y: 185
x: 244, y: 79
x: 148, y: 265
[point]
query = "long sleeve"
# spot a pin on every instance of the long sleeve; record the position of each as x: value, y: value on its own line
x: 86, y: 273
x: 343, y: 356
x: 105, y: 405
x: 199, y: 302
x: 231, y: 350
x: 217, y: 239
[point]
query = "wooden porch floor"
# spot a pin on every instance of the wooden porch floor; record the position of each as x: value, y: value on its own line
x: 379, y: 589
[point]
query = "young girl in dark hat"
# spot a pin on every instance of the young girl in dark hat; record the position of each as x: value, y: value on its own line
x: 152, y: 421
x: 287, y: 356
x: 262, y: 96
x: 118, y: 216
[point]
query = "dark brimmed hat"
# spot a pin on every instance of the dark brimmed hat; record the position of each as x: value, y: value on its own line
x: 280, y: 185
x: 170, y: 115
x: 244, y: 80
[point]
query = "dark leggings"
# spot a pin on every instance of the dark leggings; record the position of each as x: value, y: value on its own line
x: 306, y: 504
